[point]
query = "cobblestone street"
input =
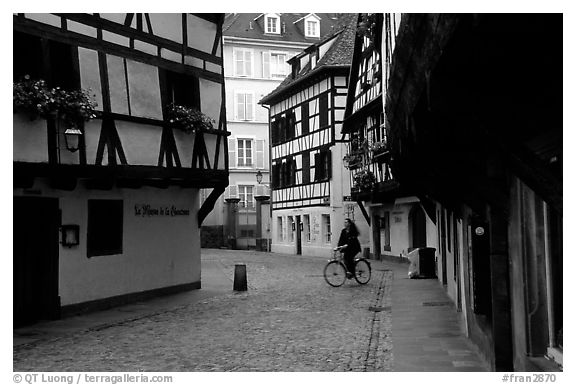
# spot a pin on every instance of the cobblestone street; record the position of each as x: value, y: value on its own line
x: 288, y: 320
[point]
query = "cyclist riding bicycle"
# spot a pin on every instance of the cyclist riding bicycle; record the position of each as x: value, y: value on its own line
x: 348, y: 243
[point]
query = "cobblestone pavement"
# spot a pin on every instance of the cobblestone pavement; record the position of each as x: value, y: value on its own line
x: 288, y: 320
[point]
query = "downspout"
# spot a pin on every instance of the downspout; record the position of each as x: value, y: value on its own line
x: 269, y: 162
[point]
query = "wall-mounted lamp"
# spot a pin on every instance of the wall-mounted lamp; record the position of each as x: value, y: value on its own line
x: 70, y: 235
x: 259, y: 177
x: 72, y: 136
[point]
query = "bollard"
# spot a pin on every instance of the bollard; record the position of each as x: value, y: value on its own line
x: 240, y: 282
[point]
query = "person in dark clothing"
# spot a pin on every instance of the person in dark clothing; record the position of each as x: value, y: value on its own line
x: 349, y: 245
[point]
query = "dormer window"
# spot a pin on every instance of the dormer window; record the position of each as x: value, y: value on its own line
x: 272, y: 24
x: 312, y: 28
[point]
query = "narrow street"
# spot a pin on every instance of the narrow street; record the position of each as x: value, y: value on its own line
x: 288, y: 320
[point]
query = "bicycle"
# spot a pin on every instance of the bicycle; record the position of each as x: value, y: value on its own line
x: 336, y: 273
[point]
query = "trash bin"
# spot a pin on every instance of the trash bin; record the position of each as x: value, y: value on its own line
x: 422, y: 263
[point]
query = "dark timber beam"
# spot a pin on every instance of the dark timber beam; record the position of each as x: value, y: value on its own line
x: 208, y: 204
x: 364, y: 212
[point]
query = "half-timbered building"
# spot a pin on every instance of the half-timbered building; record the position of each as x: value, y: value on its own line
x: 256, y: 48
x: 117, y: 216
x: 306, y: 112
x: 398, y: 223
x: 474, y: 124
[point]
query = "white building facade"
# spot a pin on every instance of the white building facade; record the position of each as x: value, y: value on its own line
x: 310, y: 191
x: 256, y: 50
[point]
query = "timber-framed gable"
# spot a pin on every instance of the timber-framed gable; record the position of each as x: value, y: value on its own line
x: 136, y: 66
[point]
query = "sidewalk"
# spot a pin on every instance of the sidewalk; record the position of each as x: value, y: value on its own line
x: 427, y: 332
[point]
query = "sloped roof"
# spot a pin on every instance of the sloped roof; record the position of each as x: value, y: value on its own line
x: 339, y: 55
x: 238, y: 25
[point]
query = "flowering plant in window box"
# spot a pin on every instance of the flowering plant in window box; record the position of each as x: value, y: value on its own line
x: 367, y: 26
x: 364, y: 180
x: 380, y: 150
x: 352, y: 161
x: 35, y: 99
x: 188, y: 119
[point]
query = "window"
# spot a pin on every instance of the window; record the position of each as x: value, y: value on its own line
x: 242, y: 62
x: 322, y: 165
x: 306, y: 220
x: 244, y: 106
x: 386, y: 228
x: 182, y: 89
x: 244, y: 153
x: 272, y: 24
x: 280, y: 230
x: 105, y: 227
x: 278, y: 67
x: 288, y: 172
x: 290, y: 229
x: 326, y: 228
x: 312, y: 29
x: 246, y: 195
x: 27, y: 57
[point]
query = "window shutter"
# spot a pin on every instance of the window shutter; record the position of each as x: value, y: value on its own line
x: 304, y: 121
x: 249, y: 106
x: 231, y: 152
x: 328, y: 164
x: 259, y: 153
x: 283, y: 175
x: 240, y: 106
x: 266, y: 65
x: 306, y: 167
x: 248, y: 63
x: 317, y: 167
x: 273, y: 131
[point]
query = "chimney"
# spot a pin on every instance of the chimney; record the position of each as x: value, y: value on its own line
x: 284, y: 27
x: 251, y: 26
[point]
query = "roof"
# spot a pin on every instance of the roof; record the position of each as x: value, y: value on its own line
x: 238, y: 25
x: 339, y: 55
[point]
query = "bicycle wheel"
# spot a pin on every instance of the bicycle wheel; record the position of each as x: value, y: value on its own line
x: 363, y: 271
x: 335, y: 273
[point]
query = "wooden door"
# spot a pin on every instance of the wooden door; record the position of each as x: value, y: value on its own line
x: 35, y: 260
x: 299, y: 226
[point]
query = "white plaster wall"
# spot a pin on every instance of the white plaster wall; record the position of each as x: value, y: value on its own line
x: 399, y: 229
x: 157, y: 251
x: 30, y: 139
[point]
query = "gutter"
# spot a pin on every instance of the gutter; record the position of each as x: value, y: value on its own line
x: 272, y: 97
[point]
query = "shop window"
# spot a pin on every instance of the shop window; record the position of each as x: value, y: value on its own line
x: 280, y: 230
x: 326, y: 228
x: 306, y: 220
x: 105, y: 227
x: 290, y: 229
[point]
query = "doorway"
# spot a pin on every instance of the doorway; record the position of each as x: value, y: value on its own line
x: 417, y: 220
x: 35, y: 260
x: 299, y: 226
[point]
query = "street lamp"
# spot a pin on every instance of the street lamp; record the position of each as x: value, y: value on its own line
x: 72, y: 137
x: 259, y: 177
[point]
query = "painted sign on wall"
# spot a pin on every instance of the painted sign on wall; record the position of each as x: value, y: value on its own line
x: 146, y: 210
